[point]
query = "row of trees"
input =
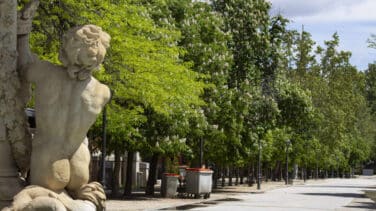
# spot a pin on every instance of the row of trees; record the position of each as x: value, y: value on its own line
x: 225, y: 72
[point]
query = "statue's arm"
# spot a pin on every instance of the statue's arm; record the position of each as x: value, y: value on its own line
x: 24, y: 27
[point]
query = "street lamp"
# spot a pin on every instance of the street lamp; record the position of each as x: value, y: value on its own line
x: 104, y: 135
x: 337, y: 166
x: 288, y: 142
x: 259, y: 176
x: 201, y: 152
x: 104, y: 141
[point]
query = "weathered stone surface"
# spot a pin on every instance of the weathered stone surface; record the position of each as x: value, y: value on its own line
x: 24, y: 23
x: 11, y: 118
x: 2, y: 132
x: 10, y: 184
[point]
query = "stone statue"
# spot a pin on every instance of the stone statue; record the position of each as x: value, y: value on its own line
x: 67, y: 101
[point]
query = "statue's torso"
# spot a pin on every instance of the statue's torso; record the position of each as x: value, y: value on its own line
x: 66, y: 108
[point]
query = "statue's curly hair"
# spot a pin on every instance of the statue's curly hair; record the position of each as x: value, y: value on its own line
x: 89, y: 40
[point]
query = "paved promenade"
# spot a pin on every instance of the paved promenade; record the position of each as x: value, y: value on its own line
x: 329, y: 194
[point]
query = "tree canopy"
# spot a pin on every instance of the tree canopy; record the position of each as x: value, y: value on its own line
x: 226, y: 72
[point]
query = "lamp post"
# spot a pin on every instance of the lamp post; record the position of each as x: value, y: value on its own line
x: 259, y: 166
x: 337, y: 166
x: 317, y: 165
x: 288, y: 142
x: 201, y: 152
x: 104, y: 135
x: 305, y: 161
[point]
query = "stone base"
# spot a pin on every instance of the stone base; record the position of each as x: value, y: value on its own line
x: 38, y: 198
x: 9, y: 186
x: 4, y: 204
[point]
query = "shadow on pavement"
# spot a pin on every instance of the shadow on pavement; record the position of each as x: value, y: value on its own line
x: 362, y: 205
x: 202, y: 204
x: 335, y: 186
x: 231, y: 191
x: 349, y: 195
x: 186, y: 207
x: 228, y: 199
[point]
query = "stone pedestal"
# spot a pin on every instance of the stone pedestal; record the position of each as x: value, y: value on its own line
x: 10, y: 184
x: 9, y: 180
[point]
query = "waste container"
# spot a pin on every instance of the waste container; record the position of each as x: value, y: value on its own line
x: 199, y: 182
x: 169, y: 185
x: 182, y: 171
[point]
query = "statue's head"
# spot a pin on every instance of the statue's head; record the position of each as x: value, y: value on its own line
x: 83, y: 50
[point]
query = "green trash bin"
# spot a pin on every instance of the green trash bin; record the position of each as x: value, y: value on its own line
x: 169, y: 185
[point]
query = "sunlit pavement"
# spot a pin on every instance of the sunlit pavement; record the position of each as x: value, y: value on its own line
x: 332, y: 194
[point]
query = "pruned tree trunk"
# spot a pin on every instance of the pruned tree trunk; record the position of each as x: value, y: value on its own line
x: 128, y: 177
x: 277, y: 175
x: 241, y: 176
x: 223, y: 176
x: 230, y: 169
x: 152, y: 175
x: 251, y: 175
x: 248, y: 174
x: 116, y: 175
x: 237, y: 176
x: 215, y: 177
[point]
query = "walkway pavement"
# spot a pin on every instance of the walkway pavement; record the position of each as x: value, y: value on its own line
x: 140, y: 202
x: 329, y: 194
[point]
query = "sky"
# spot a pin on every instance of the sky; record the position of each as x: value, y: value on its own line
x: 353, y: 20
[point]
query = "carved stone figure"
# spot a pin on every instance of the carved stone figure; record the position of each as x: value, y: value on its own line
x: 67, y: 102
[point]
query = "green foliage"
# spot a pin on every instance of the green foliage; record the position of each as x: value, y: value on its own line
x: 372, y: 41
x: 142, y: 66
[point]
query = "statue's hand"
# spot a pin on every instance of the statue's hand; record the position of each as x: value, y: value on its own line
x: 36, y: 198
x: 25, y: 17
x: 94, y: 193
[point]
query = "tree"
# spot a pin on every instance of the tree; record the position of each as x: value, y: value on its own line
x: 142, y: 67
x: 372, y: 41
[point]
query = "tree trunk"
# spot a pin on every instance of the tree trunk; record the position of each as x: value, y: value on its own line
x: 271, y: 174
x: 223, y: 176
x: 152, y: 175
x: 249, y: 175
x: 128, y: 176
x: 241, y: 173
x: 277, y: 175
x: 215, y: 177
x: 163, y: 167
x: 237, y: 176
x: 230, y: 169
x: 252, y: 176
x: 116, y: 175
